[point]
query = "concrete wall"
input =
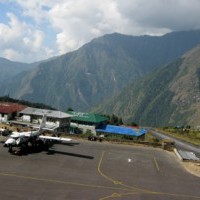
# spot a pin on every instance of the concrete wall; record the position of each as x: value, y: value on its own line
x: 85, y: 128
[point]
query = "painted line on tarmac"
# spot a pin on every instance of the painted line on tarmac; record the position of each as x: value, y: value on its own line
x: 62, y: 182
x: 138, y: 190
x: 114, y: 195
x: 132, y: 192
x: 102, y: 174
x: 156, y: 163
x: 177, y: 195
x: 133, y: 189
x: 118, y: 195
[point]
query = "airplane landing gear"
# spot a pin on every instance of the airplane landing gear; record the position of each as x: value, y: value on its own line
x: 10, y: 149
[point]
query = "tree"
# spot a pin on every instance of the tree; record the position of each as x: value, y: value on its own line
x: 69, y: 109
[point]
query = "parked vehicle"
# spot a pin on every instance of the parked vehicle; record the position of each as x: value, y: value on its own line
x: 95, y: 138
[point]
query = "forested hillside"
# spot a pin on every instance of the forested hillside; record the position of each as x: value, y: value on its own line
x: 9, y: 69
x: 168, y: 96
x: 100, y: 69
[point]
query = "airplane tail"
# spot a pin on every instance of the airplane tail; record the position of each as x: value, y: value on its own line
x: 43, y: 123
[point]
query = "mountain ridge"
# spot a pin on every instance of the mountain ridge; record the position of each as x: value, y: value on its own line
x: 9, y: 68
x: 105, y: 66
x: 168, y: 96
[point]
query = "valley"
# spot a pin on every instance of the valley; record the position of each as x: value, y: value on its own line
x: 152, y: 80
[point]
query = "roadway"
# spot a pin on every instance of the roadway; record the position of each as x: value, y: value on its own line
x: 180, y: 144
x: 94, y: 170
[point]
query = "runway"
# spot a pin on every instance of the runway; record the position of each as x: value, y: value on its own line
x: 93, y: 170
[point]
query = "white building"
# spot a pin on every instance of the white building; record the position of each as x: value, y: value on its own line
x: 55, y: 119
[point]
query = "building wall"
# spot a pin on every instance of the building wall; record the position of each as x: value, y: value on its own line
x: 26, y: 118
x: 62, y: 124
x: 85, y: 128
x: 5, y: 117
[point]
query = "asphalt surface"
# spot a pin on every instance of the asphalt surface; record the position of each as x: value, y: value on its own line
x: 93, y: 170
x: 180, y: 144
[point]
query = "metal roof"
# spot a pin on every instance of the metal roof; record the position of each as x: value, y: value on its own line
x: 121, y: 130
x: 48, y: 113
x: 7, y: 107
x: 87, y: 117
x: 186, y: 155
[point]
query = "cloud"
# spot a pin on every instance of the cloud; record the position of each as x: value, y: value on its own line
x: 163, y: 14
x: 20, y: 41
x: 79, y: 21
x: 53, y: 27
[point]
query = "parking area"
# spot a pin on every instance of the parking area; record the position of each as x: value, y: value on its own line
x: 94, y: 170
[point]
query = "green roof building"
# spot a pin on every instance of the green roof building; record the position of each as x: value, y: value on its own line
x: 87, y: 118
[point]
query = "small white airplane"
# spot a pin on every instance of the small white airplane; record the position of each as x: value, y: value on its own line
x: 19, y: 139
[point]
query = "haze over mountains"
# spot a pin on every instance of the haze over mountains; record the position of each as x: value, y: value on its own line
x: 104, y: 67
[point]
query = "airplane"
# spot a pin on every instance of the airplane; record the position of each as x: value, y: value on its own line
x: 33, y: 138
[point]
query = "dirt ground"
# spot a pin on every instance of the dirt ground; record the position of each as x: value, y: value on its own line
x: 193, y: 168
x: 14, y: 127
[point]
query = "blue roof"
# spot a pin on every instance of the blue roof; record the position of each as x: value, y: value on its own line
x: 121, y: 130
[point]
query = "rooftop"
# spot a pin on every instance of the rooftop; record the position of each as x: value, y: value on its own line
x: 48, y: 113
x: 87, y: 117
x: 8, y: 108
x: 121, y: 130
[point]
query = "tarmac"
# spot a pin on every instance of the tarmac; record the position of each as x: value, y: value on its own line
x: 94, y: 170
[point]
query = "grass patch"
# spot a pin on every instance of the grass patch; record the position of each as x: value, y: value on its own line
x: 185, y: 134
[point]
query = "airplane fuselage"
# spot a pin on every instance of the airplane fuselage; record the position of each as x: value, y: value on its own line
x: 18, y: 138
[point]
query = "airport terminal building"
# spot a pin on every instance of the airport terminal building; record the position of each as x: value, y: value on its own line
x: 55, y: 119
x: 70, y: 122
x: 86, y: 121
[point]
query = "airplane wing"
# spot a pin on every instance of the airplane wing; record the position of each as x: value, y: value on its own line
x: 58, y: 139
x: 47, y: 128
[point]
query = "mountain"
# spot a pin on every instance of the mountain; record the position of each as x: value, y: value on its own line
x: 9, y: 69
x: 168, y: 96
x: 98, y: 70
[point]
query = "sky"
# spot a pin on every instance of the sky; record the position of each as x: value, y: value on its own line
x: 34, y: 30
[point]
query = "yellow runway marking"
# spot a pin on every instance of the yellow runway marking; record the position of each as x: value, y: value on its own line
x: 62, y: 182
x: 135, y: 190
x: 117, y: 182
x: 128, y: 190
x: 102, y: 174
x: 115, y: 195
